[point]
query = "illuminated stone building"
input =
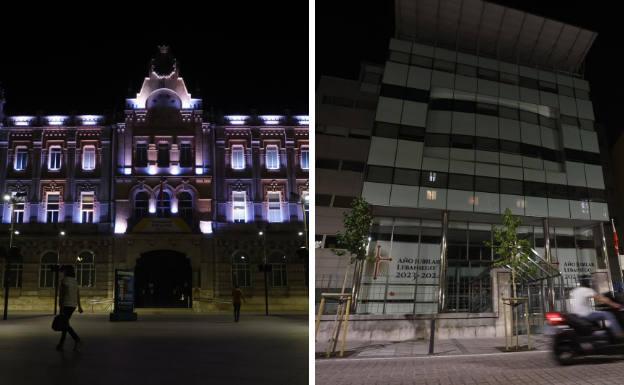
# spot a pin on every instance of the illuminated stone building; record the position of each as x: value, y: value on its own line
x: 193, y: 204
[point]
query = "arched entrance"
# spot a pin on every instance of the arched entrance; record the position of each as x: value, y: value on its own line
x: 163, y: 278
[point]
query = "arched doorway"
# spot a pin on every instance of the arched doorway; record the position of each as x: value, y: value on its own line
x: 163, y: 278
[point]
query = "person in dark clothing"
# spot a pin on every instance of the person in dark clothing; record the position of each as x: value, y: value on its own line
x: 69, y: 299
x: 237, y: 296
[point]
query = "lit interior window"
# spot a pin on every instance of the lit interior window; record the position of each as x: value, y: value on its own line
x: 239, y: 207
x: 275, y: 206
x: 88, y: 158
x: 238, y: 157
x: 432, y: 176
x: 272, y: 157
x: 431, y: 195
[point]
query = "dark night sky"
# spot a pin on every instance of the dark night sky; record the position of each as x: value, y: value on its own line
x: 350, y: 34
x: 87, y: 60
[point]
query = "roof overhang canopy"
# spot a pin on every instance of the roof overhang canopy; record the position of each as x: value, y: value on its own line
x: 489, y: 29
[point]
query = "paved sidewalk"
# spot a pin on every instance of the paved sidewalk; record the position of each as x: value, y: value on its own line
x: 418, y: 348
x: 158, y: 349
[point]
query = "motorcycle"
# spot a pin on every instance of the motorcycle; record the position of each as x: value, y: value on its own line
x: 575, y: 337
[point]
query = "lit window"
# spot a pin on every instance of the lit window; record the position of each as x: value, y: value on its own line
x: 585, y: 207
x: 275, y: 206
x: 473, y: 200
x: 88, y: 158
x: 87, y: 205
x: 520, y: 203
x: 431, y: 195
x: 272, y: 157
x: 18, y: 210
x: 239, y: 206
x: 21, y: 158
x: 54, y: 158
x: 238, y: 157
x: 305, y: 158
x: 52, y: 207
x: 432, y: 177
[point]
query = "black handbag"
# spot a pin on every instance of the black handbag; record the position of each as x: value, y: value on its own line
x: 60, y: 323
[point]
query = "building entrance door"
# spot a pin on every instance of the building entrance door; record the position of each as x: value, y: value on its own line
x: 162, y: 278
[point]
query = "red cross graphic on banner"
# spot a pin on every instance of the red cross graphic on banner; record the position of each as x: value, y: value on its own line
x: 378, y: 259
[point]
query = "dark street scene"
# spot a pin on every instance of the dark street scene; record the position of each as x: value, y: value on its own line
x: 155, y: 196
x: 468, y: 193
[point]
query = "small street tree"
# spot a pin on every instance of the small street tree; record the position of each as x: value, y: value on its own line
x: 354, y: 240
x: 513, y: 254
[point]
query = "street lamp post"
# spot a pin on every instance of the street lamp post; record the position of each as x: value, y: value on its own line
x: 266, y: 276
x: 56, y: 270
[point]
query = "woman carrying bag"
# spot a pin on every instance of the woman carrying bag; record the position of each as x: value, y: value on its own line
x: 69, y: 299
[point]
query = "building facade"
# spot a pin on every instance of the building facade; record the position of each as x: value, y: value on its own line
x: 193, y: 204
x: 481, y: 108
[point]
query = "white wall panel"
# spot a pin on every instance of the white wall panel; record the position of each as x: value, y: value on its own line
x: 389, y: 110
x: 404, y: 196
x: 382, y: 151
x: 409, y: 154
x: 376, y: 193
x: 414, y: 114
x: 535, y: 206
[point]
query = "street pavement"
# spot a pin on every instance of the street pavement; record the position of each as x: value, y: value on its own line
x: 455, y: 368
x: 172, y: 349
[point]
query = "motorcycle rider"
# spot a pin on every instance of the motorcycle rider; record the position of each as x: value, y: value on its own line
x: 580, y: 305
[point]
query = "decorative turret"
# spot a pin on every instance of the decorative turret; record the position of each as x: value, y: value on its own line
x: 164, y: 88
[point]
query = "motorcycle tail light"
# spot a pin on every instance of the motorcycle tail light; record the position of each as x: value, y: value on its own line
x: 554, y: 318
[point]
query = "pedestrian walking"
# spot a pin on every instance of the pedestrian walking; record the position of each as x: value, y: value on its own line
x: 69, y: 299
x: 237, y: 296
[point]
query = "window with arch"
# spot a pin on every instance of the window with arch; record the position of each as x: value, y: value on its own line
x: 185, y: 205
x: 21, y: 158
x: 54, y: 158
x: 241, y: 274
x: 85, y: 269
x: 272, y: 157
x: 141, y: 204
x: 238, y: 157
x: 163, y: 205
x: 279, y: 277
x: 88, y: 158
x: 48, y: 264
